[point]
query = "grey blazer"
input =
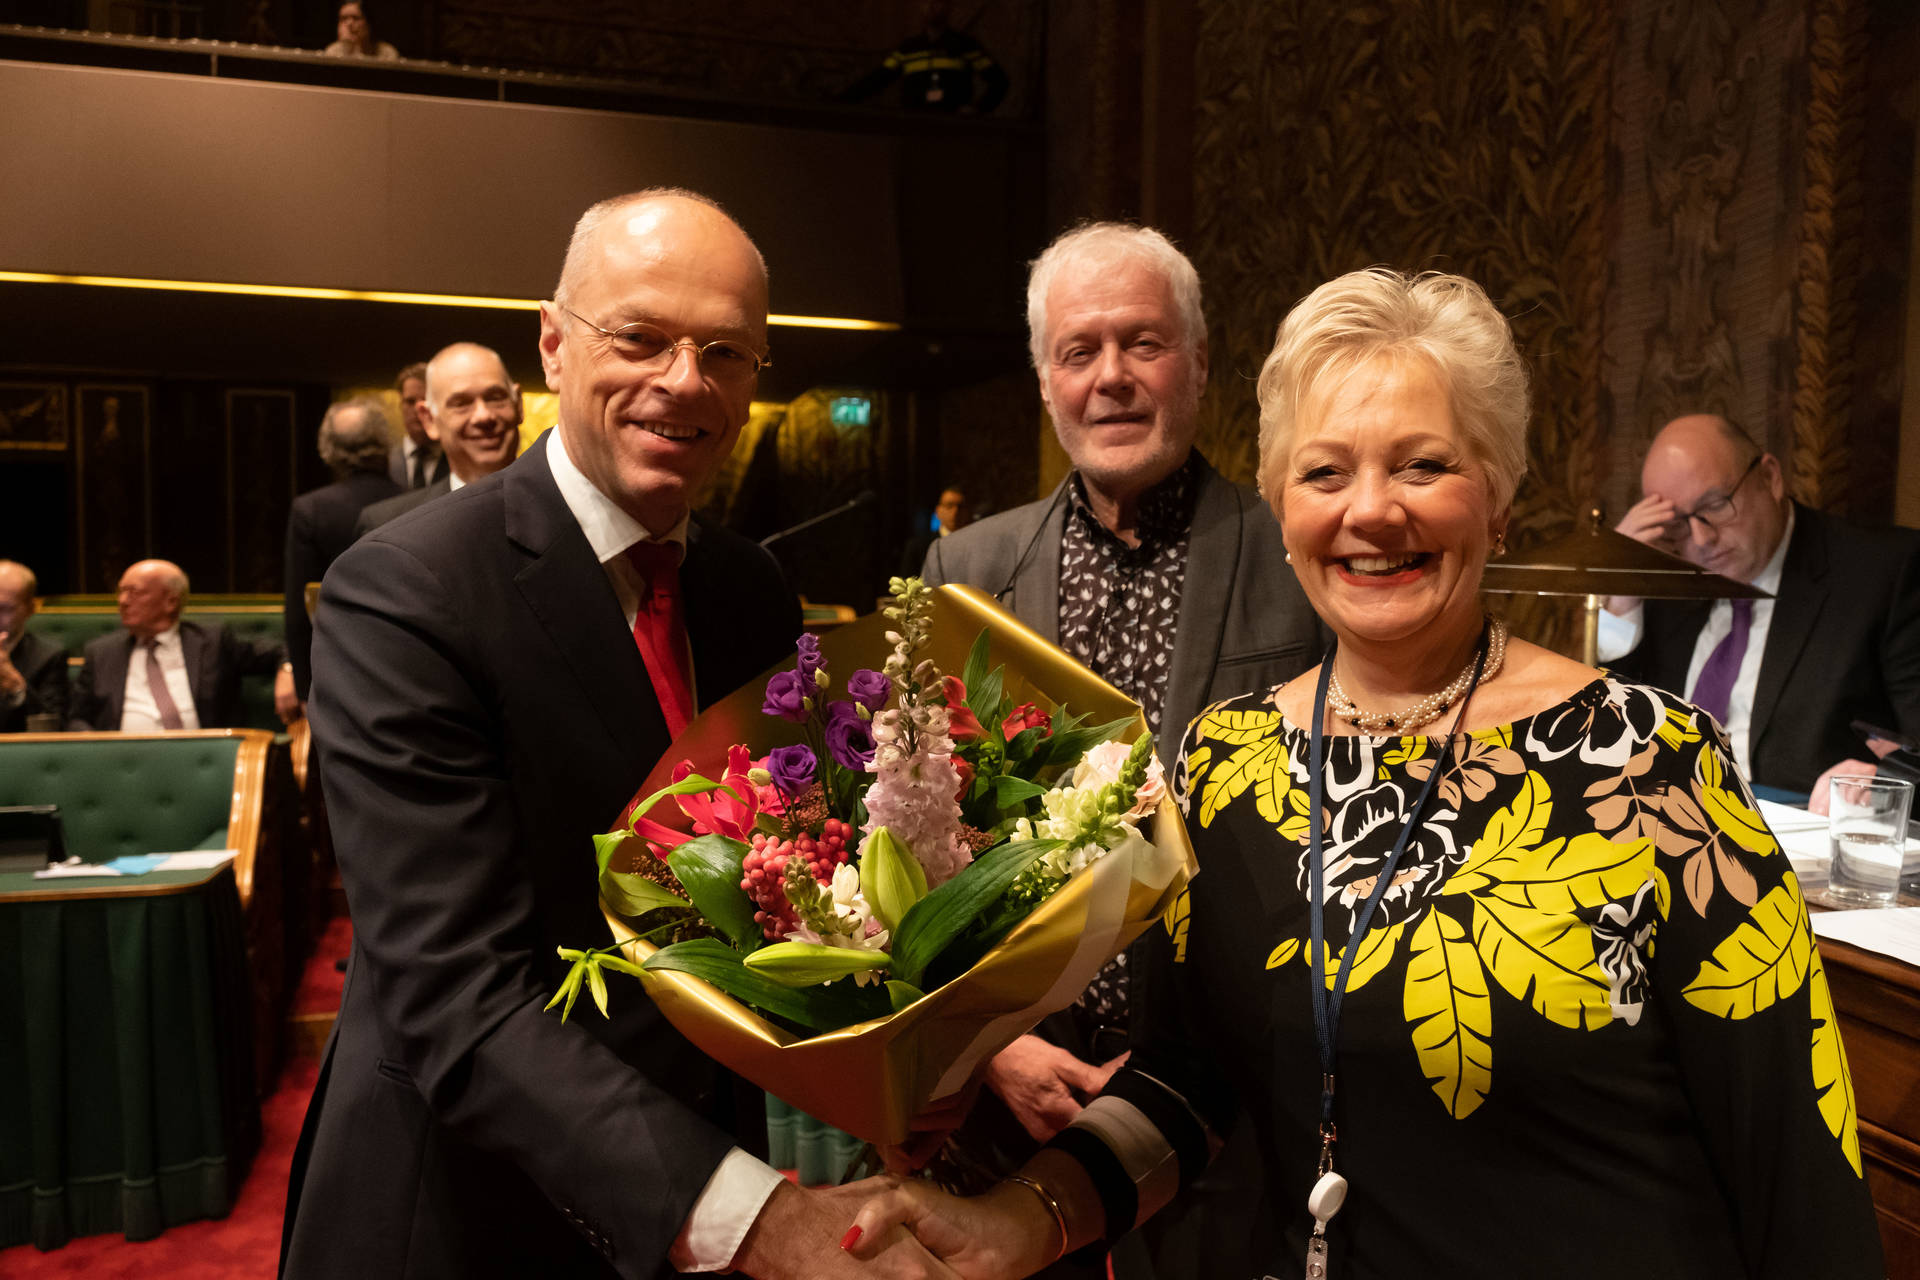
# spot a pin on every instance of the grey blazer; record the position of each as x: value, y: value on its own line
x: 1244, y: 622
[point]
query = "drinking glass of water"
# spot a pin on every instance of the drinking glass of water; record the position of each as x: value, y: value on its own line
x: 1867, y: 827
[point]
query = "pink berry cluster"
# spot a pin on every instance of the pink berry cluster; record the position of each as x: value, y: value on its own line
x: 766, y: 868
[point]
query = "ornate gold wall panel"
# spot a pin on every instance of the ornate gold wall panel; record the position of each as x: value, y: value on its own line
x: 1462, y: 135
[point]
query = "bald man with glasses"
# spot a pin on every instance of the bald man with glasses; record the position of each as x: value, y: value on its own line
x: 1786, y: 677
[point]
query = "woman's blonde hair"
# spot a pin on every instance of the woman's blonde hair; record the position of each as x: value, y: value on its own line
x: 1445, y: 322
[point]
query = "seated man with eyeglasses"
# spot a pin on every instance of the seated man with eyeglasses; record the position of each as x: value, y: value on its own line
x: 1787, y: 677
x: 472, y: 410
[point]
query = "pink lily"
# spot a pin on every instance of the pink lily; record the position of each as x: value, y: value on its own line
x: 728, y: 809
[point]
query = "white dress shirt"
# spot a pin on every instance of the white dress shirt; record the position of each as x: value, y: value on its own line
x: 740, y: 1185
x: 139, y: 712
x: 1620, y: 633
x: 454, y: 482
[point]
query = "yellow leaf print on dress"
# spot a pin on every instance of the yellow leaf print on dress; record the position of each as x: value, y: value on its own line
x: 1447, y: 1005
x: 1545, y: 960
x: 1238, y: 728
x: 1279, y: 801
x: 1375, y: 950
x: 1729, y: 811
x: 1516, y: 827
x: 1832, y: 1081
x: 1283, y: 953
x: 1762, y: 961
x: 1233, y: 775
x: 1563, y: 876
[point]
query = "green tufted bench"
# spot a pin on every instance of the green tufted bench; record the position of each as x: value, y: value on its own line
x: 72, y: 621
x: 123, y: 793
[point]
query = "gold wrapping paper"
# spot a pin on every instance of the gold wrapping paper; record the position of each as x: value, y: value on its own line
x: 871, y: 1079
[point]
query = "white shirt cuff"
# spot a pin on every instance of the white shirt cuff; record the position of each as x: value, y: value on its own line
x: 718, y: 1222
x: 1620, y: 632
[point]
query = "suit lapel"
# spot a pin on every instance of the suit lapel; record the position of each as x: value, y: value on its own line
x: 1213, y: 549
x: 195, y: 652
x: 1796, y: 607
x: 568, y: 591
x: 1036, y: 567
x: 112, y: 678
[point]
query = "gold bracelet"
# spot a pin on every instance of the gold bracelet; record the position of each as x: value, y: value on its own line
x: 1052, y: 1206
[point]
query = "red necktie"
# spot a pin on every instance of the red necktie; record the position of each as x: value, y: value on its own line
x: 660, y: 630
x: 157, y: 685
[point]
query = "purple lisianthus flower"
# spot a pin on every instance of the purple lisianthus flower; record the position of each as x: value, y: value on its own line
x: 849, y: 738
x: 810, y: 662
x: 792, y: 768
x: 870, y: 689
x: 787, y: 697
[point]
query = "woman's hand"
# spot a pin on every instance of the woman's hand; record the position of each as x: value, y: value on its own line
x: 1002, y: 1235
x: 1043, y: 1085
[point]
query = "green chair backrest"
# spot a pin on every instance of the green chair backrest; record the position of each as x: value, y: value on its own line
x: 125, y: 795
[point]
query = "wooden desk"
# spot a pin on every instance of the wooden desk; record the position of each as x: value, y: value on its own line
x: 1878, y: 1000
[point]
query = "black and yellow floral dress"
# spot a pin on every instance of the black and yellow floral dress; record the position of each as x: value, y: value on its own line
x: 1587, y: 1033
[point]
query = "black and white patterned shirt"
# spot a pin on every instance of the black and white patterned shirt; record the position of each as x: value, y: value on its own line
x: 1119, y: 614
x: 1120, y: 605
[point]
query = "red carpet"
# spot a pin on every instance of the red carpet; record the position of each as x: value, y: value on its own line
x: 245, y: 1245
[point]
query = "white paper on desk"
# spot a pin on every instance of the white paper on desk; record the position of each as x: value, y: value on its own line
x: 1785, y: 818
x: 1890, y: 931
x: 73, y: 867
x: 198, y: 860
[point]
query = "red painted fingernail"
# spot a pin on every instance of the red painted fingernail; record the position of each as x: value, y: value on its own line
x: 852, y: 1237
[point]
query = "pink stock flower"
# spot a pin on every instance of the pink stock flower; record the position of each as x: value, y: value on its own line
x: 1026, y: 716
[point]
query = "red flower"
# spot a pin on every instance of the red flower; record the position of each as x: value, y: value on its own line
x: 1026, y: 716
x: 963, y: 767
x: 729, y: 813
x: 962, y: 724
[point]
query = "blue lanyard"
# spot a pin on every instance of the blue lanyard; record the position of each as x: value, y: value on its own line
x: 1326, y: 1004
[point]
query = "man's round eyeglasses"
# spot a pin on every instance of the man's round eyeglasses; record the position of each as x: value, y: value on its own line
x: 1717, y: 510
x: 722, y: 360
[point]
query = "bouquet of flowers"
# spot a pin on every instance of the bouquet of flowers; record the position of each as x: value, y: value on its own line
x: 856, y: 919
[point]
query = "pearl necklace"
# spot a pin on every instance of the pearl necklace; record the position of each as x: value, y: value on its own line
x: 1428, y: 708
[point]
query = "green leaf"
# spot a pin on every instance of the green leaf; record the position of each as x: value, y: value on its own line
x: 940, y: 916
x: 825, y: 1008
x: 710, y: 871
x: 597, y: 983
x: 692, y: 784
x: 608, y: 843
x: 1071, y: 741
x: 808, y: 964
x: 632, y: 894
x: 976, y: 669
x: 903, y: 994
x: 619, y: 964
x: 1010, y: 791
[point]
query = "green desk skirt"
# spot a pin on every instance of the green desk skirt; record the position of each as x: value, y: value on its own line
x: 127, y: 1096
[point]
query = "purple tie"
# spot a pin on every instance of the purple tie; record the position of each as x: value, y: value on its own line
x: 157, y: 684
x: 1714, y: 688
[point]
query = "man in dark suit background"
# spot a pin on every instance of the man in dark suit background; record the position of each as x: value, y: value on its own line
x: 417, y: 460
x: 33, y: 670
x: 472, y: 411
x: 1786, y: 677
x: 157, y: 672
x: 1165, y: 578
x: 493, y: 677
x: 354, y: 436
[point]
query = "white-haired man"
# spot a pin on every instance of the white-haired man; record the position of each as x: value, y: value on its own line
x: 493, y: 676
x: 1119, y: 340
x: 157, y: 671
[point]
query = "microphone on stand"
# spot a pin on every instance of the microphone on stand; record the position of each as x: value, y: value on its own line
x: 864, y: 498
